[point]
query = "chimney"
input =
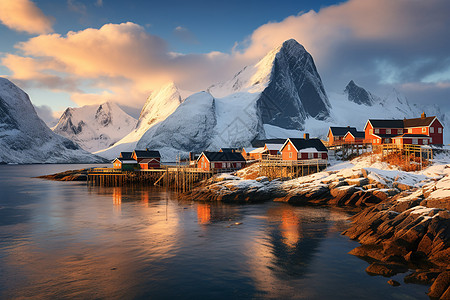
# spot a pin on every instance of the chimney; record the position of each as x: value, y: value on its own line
x: 423, y: 115
x: 306, y: 136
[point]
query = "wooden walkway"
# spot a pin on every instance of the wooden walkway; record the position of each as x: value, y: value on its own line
x: 291, y: 168
x: 180, y: 178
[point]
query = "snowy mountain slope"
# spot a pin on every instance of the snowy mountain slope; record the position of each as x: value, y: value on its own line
x: 281, y: 90
x: 95, y: 127
x: 157, y: 108
x: 24, y: 137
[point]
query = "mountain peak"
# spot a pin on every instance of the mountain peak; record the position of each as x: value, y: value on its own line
x: 358, y: 94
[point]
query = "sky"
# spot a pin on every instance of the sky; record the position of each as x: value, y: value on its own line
x: 77, y: 52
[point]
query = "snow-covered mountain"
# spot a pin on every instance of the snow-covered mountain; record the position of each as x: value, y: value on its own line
x: 359, y: 95
x: 24, y: 137
x: 278, y: 93
x: 95, y: 127
x: 157, y: 108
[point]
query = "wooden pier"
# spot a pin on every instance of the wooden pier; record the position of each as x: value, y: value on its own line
x: 291, y: 168
x: 180, y: 178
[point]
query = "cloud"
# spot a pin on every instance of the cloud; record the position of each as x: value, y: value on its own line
x: 46, y: 114
x: 118, y: 62
x: 185, y: 35
x: 24, y: 15
x: 77, y: 7
x: 380, y: 44
x: 375, y: 42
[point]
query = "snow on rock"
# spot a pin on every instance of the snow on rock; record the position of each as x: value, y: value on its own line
x: 95, y: 127
x: 24, y: 137
x: 157, y: 108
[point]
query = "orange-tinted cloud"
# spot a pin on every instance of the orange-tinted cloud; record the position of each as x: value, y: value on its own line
x: 24, y: 15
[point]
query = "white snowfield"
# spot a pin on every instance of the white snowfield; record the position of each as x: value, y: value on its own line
x: 24, y: 137
x: 95, y: 127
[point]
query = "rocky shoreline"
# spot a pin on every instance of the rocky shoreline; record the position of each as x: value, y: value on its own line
x: 403, y: 223
x: 70, y: 175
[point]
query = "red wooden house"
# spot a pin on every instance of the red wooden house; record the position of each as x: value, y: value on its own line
x: 385, y: 131
x: 147, y: 159
x: 303, y: 149
x: 273, y: 149
x: 354, y: 137
x: 336, y: 135
x: 220, y: 161
x: 246, y: 152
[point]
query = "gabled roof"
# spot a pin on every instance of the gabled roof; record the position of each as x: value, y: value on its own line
x: 341, y: 131
x: 126, y: 155
x: 223, y: 156
x: 125, y: 161
x: 418, y: 122
x: 258, y: 150
x: 261, y: 143
x: 385, y: 136
x: 300, y: 144
x: 147, y: 153
x: 376, y: 123
x: 411, y: 135
x: 274, y: 146
x: 147, y: 160
x: 248, y: 149
x: 356, y: 134
x: 229, y: 149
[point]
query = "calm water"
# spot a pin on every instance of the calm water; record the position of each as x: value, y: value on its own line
x: 67, y: 240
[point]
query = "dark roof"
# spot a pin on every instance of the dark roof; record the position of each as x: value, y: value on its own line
x: 300, y: 144
x: 262, y: 143
x: 418, y: 122
x: 229, y: 149
x: 126, y: 155
x: 386, y: 123
x: 358, y: 134
x: 147, y: 153
x: 223, y: 156
x: 341, y: 131
x: 411, y: 135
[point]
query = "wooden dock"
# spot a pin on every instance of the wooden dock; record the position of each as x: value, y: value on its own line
x: 291, y: 168
x: 180, y: 178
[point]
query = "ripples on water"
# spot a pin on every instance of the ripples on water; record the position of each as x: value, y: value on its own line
x: 68, y: 240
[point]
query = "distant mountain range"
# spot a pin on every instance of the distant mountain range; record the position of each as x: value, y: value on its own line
x: 24, y: 137
x: 280, y: 96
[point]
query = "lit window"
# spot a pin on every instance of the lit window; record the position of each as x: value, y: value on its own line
x: 439, y: 130
x: 409, y: 130
x: 388, y: 131
x: 370, y: 131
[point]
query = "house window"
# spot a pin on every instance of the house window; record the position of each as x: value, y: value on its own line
x: 289, y: 147
x: 431, y: 129
x: 377, y: 131
x: 399, y: 131
x: 425, y: 141
x: 414, y: 141
x: 370, y: 131
x: 424, y: 130
x: 238, y: 165
x: 310, y: 155
x: 203, y: 165
x: 439, y: 130
x: 388, y: 131
x: 290, y: 154
x: 409, y: 130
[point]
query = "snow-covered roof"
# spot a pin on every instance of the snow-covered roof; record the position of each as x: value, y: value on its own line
x: 274, y: 146
x: 126, y: 161
x: 308, y: 150
x: 258, y: 150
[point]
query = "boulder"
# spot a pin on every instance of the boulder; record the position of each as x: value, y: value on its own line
x: 385, y: 269
x: 421, y: 277
x: 393, y: 282
x: 361, y: 181
x: 401, y: 186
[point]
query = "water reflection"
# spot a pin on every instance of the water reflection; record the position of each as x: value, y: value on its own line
x: 66, y: 240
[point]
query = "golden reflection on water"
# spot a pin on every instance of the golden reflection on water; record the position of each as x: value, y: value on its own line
x: 204, y: 213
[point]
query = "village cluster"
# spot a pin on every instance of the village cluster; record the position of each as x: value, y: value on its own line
x: 423, y: 131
